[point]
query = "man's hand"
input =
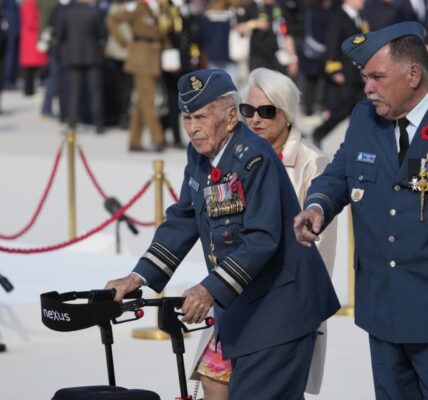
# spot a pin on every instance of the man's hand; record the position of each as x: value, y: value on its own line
x: 197, y: 304
x: 124, y: 285
x: 307, y: 225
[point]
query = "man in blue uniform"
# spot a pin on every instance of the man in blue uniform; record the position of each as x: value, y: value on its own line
x: 270, y: 294
x: 381, y: 169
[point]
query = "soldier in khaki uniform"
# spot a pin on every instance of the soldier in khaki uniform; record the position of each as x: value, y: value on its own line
x: 143, y: 63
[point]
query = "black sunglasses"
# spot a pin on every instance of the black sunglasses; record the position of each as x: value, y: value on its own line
x: 266, y: 112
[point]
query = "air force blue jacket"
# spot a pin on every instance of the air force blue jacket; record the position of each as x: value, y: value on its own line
x: 391, y: 243
x: 268, y: 289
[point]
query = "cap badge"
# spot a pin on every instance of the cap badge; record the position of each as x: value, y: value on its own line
x: 357, y: 40
x: 196, y: 83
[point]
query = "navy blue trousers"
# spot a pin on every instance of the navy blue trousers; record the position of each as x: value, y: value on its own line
x: 276, y: 373
x: 400, y: 370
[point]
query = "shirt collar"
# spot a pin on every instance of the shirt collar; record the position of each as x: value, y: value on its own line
x: 217, y: 158
x: 418, y: 112
x: 350, y: 11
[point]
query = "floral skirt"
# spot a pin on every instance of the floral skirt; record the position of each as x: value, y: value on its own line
x: 212, y: 364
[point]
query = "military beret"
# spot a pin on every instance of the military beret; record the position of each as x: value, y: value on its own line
x: 198, y: 88
x: 361, y: 47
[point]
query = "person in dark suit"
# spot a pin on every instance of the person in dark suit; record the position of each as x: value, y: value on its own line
x: 3, y: 49
x: 412, y: 10
x: 345, y: 84
x: 81, y: 34
x: 11, y: 24
x: 238, y: 200
x: 381, y: 170
x: 381, y: 13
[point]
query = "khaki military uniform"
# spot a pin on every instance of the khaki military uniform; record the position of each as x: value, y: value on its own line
x: 143, y: 63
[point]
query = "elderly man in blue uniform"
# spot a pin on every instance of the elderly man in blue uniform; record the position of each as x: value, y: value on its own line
x: 270, y: 293
x: 381, y: 169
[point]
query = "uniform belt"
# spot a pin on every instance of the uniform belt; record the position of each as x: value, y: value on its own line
x: 145, y: 39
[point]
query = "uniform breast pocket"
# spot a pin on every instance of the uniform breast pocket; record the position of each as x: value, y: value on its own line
x: 361, y: 179
x: 225, y: 234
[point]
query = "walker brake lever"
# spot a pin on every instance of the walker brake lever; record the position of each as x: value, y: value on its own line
x: 133, y: 306
x: 209, y: 321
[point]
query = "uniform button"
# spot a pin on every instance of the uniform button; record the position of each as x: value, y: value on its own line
x: 392, y: 211
x: 227, y: 221
x: 397, y: 188
x: 391, y: 239
x: 361, y: 178
x: 392, y: 264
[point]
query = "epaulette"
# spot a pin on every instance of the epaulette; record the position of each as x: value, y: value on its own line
x: 247, y: 156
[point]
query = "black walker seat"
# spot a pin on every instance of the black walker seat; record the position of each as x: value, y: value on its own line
x: 60, y: 315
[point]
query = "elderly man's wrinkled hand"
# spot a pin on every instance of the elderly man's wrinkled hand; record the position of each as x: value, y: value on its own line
x: 307, y: 225
x: 196, y: 305
x: 124, y: 285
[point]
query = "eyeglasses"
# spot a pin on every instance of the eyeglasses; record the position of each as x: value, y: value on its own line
x: 266, y: 112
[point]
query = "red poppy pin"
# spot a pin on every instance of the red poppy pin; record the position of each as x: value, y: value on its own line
x: 215, y: 174
x: 424, y: 132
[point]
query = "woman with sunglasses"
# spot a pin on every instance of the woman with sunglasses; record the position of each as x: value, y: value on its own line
x: 269, y: 107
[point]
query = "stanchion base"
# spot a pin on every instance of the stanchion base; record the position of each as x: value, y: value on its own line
x: 346, y: 311
x: 152, y: 334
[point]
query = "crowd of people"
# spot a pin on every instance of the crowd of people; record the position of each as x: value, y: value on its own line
x: 117, y: 63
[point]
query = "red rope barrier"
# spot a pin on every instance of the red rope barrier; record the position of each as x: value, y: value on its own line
x: 91, y: 174
x: 101, y: 191
x: 41, y: 201
x: 171, y: 190
x: 100, y: 227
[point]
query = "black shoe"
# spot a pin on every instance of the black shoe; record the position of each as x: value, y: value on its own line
x: 136, y: 148
x: 159, y: 148
x: 2, y: 347
x: 123, y: 122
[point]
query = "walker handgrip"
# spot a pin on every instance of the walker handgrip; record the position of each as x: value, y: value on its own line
x: 136, y: 294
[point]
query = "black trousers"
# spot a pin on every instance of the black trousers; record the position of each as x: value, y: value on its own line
x: 76, y: 77
x: 343, y: 99
x: 171, y: 119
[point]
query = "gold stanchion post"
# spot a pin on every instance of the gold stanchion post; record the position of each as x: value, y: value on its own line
x: 154, y: 333
x: 71, y: 146
x: 348, y: 310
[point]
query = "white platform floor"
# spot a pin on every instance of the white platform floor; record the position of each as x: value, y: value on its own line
x: 39, y: 361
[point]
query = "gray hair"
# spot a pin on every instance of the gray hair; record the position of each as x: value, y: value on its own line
x: 232, y: 98
x: 278, y: 88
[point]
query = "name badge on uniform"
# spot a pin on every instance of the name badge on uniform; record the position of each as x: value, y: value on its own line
x: 366, y: 157
x: 357, y: 194
x: 193, y: 184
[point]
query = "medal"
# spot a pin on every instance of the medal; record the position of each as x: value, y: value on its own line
x: 211, y: 256
x: 226, y: 198
x: 420, y: 184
